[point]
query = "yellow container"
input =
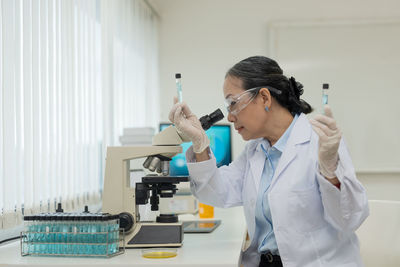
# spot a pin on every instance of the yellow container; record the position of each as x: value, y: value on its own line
x: 206, y: 211
x: 159, y: 253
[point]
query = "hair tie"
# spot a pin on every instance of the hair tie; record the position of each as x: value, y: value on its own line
x: 296, y: 87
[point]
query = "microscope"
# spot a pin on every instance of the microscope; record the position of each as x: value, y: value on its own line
x: 120, y: 198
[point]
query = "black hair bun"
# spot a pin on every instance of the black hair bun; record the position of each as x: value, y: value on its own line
x: 296, y: 87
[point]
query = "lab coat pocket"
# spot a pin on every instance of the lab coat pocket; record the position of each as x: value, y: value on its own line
x: 306, y: 209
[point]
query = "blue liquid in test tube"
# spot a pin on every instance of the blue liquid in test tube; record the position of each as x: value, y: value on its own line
x: 178, y: 86
x: 325, y: 88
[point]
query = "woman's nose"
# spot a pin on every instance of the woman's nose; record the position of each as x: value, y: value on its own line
x: 231, y: 118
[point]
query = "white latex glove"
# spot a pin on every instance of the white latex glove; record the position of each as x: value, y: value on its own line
x: 189, y: 125
x: 329, y: 140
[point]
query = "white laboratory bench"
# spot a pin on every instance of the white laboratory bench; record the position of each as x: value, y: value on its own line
x: 220, y: 248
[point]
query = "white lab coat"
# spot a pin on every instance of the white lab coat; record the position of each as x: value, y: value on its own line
x: 314, y: 222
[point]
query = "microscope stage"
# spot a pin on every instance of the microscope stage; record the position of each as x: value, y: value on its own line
x: 164, y: 179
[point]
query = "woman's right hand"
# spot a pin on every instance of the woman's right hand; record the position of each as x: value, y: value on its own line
x: 189, y: 125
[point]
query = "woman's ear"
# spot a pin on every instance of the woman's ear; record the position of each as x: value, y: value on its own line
x: 266, y: 98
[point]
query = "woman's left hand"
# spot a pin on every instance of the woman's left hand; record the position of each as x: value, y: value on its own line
x: 329, y: 140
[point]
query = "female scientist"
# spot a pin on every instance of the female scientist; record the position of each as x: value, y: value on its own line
x: 295, y: 179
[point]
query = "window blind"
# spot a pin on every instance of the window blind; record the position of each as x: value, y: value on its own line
x: 73, y: 74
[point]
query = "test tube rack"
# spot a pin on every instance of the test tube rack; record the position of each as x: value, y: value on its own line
x: 72, y: 235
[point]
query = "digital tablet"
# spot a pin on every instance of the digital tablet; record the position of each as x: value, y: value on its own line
x: 201, y: 226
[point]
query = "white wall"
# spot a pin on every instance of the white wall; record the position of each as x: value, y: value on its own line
x: 360, y: 60
x: 384, y: 185
x: 203, y: 39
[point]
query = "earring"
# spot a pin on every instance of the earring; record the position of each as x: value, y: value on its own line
x: 266, y: 109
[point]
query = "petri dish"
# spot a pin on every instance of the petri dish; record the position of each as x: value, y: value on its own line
x: 159, y: 253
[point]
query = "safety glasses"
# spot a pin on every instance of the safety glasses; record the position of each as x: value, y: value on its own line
x: 235, y: 104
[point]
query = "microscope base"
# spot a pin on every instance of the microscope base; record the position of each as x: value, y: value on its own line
x: 152, y: 234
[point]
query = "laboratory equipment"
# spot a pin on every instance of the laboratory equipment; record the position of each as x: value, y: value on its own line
x: 220, y: 143
x: 178, y: 82
x: 159, y: 253
x: 220, y: 136
x: 206, y: 211
x: 71, y: 234
x: 200, y: 226
x: 137, y: 136
x: 120, y: 198
x: 325, y: 88
x: 208, y: 120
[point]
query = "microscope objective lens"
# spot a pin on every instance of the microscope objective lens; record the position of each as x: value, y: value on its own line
x: 155, y: 162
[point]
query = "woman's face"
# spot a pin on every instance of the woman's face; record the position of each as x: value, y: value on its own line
x: 250, y: 121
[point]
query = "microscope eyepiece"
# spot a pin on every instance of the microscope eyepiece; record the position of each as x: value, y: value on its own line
x: 208, y: 120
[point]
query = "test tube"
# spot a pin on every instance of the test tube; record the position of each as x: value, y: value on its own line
x: 69, y: 237
x: 65, y: 229
x: 80, y: 237
x: 103, y: 236
x: 76, y: 238
x: 178, y: 86
x: 113, y: 241
x: 43, y: 236
x: 30, y: 229
x: 90, y: 246
x: 325, y: 88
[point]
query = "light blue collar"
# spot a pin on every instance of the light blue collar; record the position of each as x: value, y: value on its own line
x: 281, y: 143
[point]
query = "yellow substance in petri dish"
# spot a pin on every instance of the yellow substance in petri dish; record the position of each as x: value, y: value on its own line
x: 159, y: 254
